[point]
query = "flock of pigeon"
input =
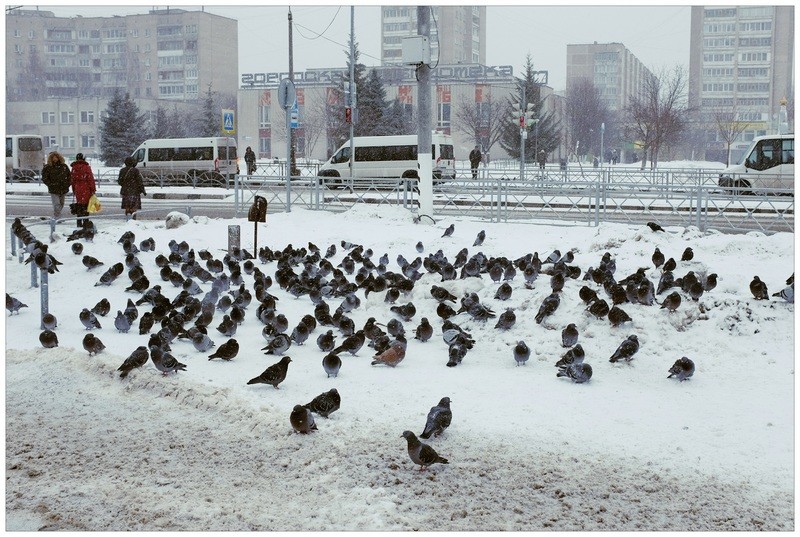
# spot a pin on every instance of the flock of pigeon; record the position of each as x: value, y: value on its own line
x: 310, y: 273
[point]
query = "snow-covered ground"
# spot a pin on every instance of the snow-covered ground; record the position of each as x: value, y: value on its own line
x: 202, y: 450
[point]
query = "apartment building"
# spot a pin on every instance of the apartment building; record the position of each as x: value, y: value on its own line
x: 457, y: 33
x: 741, y: 60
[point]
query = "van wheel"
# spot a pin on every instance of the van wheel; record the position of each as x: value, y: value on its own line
x: 332, y: 179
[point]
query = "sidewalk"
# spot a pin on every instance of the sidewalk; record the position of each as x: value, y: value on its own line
x: 105, y: 191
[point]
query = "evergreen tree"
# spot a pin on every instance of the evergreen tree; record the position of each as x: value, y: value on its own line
x: 542, y: 136
x: 121, y: 130
x: 397, y: 121
x: 209, y: 119
x: 372, y: 107
x: 338, y: 130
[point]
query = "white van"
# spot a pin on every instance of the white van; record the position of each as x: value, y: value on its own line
x: 767, y: 163
x: 24, y: 156
x: 392, y: 157
x: 204, y: 158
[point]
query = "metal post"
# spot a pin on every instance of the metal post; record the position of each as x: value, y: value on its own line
x: 351, y: 100
x: 597, y: 204
x: 235, y: 239
x: 602, y: 133
x: 424, y: 138
x: 236, y: 194
x: 699, y: 205
x: 522, y: 110
x: 13, y: 243
x: 34, y: 277
x: 290, y: 162
x: 43, y: 293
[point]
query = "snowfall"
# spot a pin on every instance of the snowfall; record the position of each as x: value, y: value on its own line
x: 201, y: 449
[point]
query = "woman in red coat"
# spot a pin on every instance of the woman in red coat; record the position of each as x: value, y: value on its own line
x: 83, y: 186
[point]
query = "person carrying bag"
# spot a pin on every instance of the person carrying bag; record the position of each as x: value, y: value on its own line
x: 83, y: 186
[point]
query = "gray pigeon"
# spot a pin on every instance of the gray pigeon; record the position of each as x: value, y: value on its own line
x: 574, y: 355
x: 617, y: 316
x: 49, y: 321
x: 579, y: 373
x: 759, y: 289
x: 449, y: 231
x: 549, y: 305
x: 506, y: 320
x: 302, y: 420
x: 424, y: 331
x: 13, y: 304
x: 201, y: 342
x: 439, y: 418
x: 521, y: 353
x: 164, y: 361
x: 227, y: 327
x: 331, y: 363
x: 48, y: 339
x: 274, y: 374
x: 503, y: 292
x: 88, y: 319
x: 626, y: 350
x: 122, y: 322
x: 227, y: 351
x: 421, y: 453
x: 672, y: 301
x: 682, y: 369
x: 787, y: 293
x: 480, y: 238
x: 278, y: 344
x: 569, y: 336
x: 327, y: 341
x: 137, y: 358
x: 92, y: 344
x: 325, y: 404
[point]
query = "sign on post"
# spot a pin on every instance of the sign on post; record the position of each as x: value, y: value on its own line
x: 295, y: 116
x: 228, y: 121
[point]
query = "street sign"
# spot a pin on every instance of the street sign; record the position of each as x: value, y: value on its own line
x: 228, y: 121
x: 287, y: 94
x: 295, y: 113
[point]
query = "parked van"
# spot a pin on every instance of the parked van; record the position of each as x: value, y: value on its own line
x: 767, y: 163
x: 210, y: 158
x: 392, y: 157
x: 24, y: 157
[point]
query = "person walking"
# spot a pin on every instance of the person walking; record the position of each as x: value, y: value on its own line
x: 83, y: 186
x: 132, y: 187
x: 475, y: 159
x: 542, y: 159
x: 250, y: 159
x: 56, y: 176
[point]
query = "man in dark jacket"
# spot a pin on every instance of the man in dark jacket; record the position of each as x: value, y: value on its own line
x: 250, y: 159
x: 131, y: 187
x: 475, y: 159
x: 56, y: 176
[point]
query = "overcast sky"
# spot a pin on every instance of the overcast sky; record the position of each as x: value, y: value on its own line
x: 658, y: 36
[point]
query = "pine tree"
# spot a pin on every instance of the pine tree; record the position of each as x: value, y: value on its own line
x: 542, y: 136
x: 372, y: 106
x: 337, y: 129
x: 209, y: 119
x: 121, y: 130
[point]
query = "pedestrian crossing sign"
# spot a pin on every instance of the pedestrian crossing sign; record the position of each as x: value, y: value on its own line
x: 228, y: 122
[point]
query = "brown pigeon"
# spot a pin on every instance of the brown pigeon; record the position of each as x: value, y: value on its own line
x: 391, y: 356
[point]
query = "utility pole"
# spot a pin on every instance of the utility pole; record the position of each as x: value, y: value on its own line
x: 602, y: 133
x: 522, y: 131
x: 351, y: 101
x: 424, y: 138
x: 290, y: 132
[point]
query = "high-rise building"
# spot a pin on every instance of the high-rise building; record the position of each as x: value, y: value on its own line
x: 741, y: 60
x: 458, y: 33
x: 611, y: 67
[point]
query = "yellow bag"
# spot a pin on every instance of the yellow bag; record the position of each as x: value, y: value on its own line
x: 94, y: 205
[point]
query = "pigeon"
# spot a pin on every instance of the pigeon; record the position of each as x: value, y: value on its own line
x: 599, y: 308
x: 300, y: 333
x: 302, y: 420
x: 587, y: 294
x: 654, y: 226
x: 445, y: 311
x: 108, y: 277
x: 554, y: 256
x: 669, y: 265
x: 696, y: 290
x: 391, y: 356
x: 455, y: 354
x: 92, y: 344
x: 48, y: 339
x: 787, y: 293
x: 274, y: 374
x: 331, y: 363
x: 521, y: 353
x: 711, y: 282
x: 666, y: 281
x: 137, y: 358
x: 672, y: 301
x: 682, y: 369
x: 201, y: 342
x: 88, y: 319
x: 392, y: 295
x: 227, y: 351
x: 573, y: 356
x: 164, y: 361
x: 13, y: 305
x: 420, y: 248
x: 439, y: 418
x: 278, y: 344
x: 759, y: 289
x: 227, y: 327
x: 688, y: 254
x: 480, y: 238
x: 503, y: 292
x: 405, y: 312
x: 569, y: 335
x: 657, y: 258
x: 617, y: 316
x: 626, y: 350
x: 122, y: 322
x: 579, y: 373
x: 549, y: 305
x: 327, y: 341
x: 77, y: 248
x: 506, y: 320
x: 449, y: 231
x: 424, y: 331
x: 420, y: 452
x: 325, y: 403
x: 440, y: 294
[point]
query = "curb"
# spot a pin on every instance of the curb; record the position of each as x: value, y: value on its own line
x: 155, y: 195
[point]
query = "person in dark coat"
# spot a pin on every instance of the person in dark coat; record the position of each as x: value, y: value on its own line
x: 475, y: 159
x: 83, y: 186
x: 250, y: 159
x: 132, y: 187
x: 56, y: 176
x: 542, y: 159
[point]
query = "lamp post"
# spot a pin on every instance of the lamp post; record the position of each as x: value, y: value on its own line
x: 602, y: 132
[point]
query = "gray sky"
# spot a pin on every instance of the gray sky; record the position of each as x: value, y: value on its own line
x: 657, y: 35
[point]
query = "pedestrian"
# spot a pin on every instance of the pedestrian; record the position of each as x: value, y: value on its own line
x: 83, y: 187
x: 475, y: 159
x: 614, y: 156
x: 55, y: 175
x: 132, y: 187
x: 250, y: 159
x: 542, y: 159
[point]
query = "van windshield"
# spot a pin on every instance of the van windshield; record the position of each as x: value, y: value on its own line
x: 446, y: 152
x: 30, y: 144
x: 765, y: 155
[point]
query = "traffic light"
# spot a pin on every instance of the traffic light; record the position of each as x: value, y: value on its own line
x: 348, y: 115
x: 529, y: 115
x: 526, y: 118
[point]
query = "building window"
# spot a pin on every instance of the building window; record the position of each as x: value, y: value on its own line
x: 265, y: 148
x: 263, y: 116
x: 719, y: 13
x: 443, y: 115
x: 65, y: 35
x: 115, y: 33
x: 147, y: 47
x: 49, y: 141
x: 18, y: 49
x: 87, y: 116
x: 67, y: 118
x: 67, y: 142
x: 31, y: 34
x: 87, y: 141
x: 61, y: 49
x: 17, y: 33
x: 48, y: 118
x: 32, y: 49
x: 191, y: 73
x: 116, y: 48
x: 135, y: 32
x: 755, y: 41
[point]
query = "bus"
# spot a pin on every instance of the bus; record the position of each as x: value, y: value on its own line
x: 767, y: 163
x: 24, y: 157
x: 207, y: 159
x: 389, y: 157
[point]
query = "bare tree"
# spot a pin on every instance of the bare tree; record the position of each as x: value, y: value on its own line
x: 729, y: 127
x: 658, y: 116
x: 586, y: 111
x: 314, y: 122
x: 483, y: 122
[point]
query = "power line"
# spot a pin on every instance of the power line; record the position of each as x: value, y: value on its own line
x: 323, y: 31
